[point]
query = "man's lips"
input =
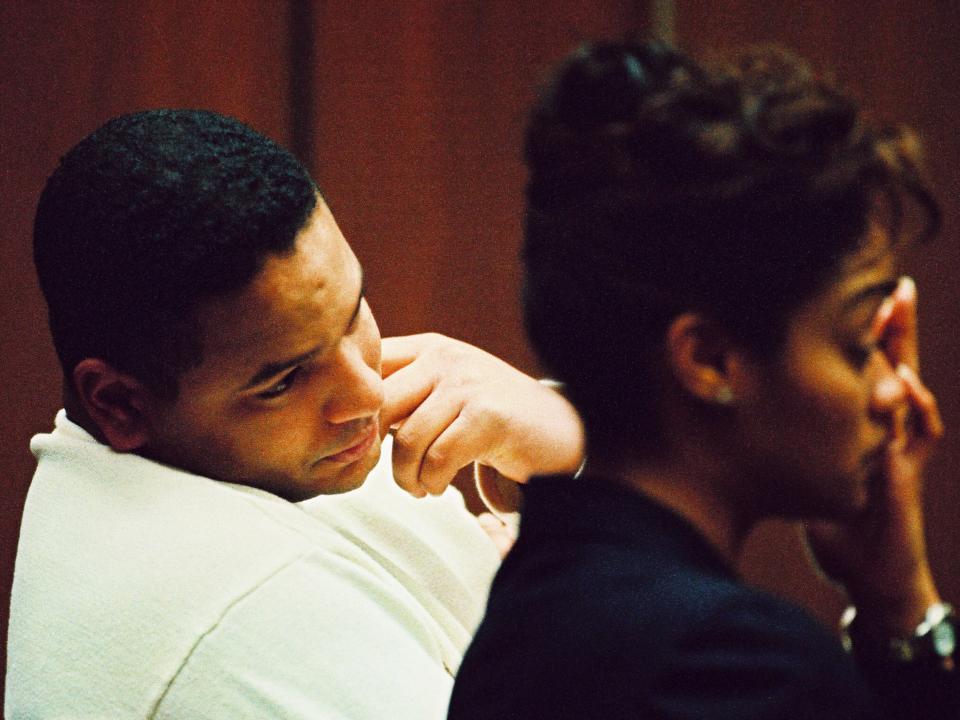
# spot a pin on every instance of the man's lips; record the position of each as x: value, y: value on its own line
x: 358, y: 446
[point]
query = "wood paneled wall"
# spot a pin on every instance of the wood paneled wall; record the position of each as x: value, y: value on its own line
x: 419, y: 112
x: 410, y: 116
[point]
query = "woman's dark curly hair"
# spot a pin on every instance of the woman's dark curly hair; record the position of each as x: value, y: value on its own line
x: 659, y: 185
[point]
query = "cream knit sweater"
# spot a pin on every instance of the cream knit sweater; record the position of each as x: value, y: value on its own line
x: 141, y: 591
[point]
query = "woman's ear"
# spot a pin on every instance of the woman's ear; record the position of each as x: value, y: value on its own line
x: 704, y: 359
x: 114, y: 402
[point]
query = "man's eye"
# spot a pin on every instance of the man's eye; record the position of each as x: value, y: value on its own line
x: 281, y: 386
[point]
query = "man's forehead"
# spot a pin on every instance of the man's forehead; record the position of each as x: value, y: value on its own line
x: 296, y: 302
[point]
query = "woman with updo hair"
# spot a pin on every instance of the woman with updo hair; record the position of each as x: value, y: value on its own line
x: 712, y: 257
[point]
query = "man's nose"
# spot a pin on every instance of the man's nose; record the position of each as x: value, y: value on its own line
x: 359, y: 391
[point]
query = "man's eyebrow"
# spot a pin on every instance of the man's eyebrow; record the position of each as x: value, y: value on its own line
x: 878, y: 290
x: 269, y: 370
x: 360, y: 296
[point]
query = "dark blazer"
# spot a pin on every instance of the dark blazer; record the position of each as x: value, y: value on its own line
x: 610, y: 606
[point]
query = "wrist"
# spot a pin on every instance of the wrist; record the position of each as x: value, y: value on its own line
x: 932, y: 641
x: 575, y: 445
x: 896, y: 613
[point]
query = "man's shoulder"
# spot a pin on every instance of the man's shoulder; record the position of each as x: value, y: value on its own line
x: 126, y: 569
x: 148, y: 539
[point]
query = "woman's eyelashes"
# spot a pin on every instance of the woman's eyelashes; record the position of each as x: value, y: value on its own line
x: 281, y: 386
x: 860, y: 352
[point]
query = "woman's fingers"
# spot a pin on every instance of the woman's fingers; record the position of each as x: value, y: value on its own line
x: 895, y: 325
x: 925, y: 409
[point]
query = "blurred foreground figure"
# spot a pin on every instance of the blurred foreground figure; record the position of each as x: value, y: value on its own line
x: 711, y: 266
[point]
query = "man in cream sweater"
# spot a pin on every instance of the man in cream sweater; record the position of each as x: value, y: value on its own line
x: 220, y: 525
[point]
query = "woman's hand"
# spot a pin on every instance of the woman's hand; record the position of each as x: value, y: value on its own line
x: 880, y: 556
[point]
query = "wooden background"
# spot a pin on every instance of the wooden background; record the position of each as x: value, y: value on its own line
x: 410, y: 115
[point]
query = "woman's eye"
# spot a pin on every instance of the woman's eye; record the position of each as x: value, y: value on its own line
x: 281, y: 386
x: 860, y: 353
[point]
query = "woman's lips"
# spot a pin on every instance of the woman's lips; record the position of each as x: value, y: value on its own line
x: 356, y: 451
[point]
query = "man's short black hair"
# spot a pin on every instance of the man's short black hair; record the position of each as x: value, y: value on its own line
x: 149, y: 216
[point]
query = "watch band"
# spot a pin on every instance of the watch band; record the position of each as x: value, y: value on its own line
x: 934, y: 640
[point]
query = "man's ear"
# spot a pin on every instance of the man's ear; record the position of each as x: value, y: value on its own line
x: 704, y: 359
x: 114, y: 401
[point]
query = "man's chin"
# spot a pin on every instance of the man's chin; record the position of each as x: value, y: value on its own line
x: 320, y: 479
x: 347, y: 478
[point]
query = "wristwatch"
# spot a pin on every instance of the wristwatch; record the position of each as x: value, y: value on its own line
x: 934, y: 641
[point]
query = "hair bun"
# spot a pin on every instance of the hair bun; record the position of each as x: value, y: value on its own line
x: 602, y: 83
